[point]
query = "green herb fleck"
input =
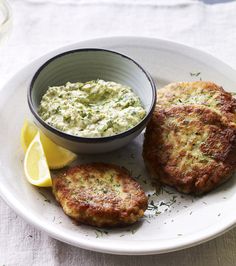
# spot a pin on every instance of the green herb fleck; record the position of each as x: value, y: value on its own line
x: 100, y: 233
x: 196, y: 74
x: 137, y: 177
x: 152, y: 206
x: 133, y: 231
x: 45, y: 198
x: 164, y: 204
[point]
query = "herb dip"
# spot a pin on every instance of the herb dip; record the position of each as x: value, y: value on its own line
x: 95, y: 108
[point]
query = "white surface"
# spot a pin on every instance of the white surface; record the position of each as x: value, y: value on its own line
x: 40, y: 26
x: 174, y: 227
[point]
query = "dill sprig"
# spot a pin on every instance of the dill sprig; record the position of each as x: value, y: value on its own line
x: 196, y: 74
x: 100, y: 233
x: 152, y: 206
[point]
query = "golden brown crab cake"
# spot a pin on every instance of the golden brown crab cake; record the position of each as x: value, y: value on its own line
x: 189, y: 148
x: 100, y: 194
x: 203, y: 93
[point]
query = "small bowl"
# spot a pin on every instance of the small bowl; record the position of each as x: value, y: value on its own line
x: 84, y: 65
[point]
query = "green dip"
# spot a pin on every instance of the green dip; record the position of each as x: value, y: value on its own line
x: 96, y: 108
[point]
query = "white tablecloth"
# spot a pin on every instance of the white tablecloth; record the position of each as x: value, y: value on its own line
x: 43, y: 25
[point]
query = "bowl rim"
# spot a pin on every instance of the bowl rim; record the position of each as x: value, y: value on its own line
x: 7, y: 13
x: 91, y: 139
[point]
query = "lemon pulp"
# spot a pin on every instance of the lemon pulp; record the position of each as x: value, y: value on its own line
x: 35, y: 164
x: 57, y: 157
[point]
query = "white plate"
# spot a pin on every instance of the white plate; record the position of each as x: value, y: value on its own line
x: 181, y: 221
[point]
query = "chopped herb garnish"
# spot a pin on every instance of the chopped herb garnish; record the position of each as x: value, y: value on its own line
x: 104, y: 190
x: 100, y: 233
x: 137, y: 177
x: 196, y: 74
x: 152, y: 206
x: 45, y: 198
x: 133, y: 231
x: 164, y: 204
x: 155, y: 194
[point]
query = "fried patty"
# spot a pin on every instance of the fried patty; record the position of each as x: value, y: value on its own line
x: 189, y: 148
x: 202, y: 93
x: 100, y: 194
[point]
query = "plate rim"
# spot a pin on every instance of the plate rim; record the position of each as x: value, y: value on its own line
x: 105, y: 246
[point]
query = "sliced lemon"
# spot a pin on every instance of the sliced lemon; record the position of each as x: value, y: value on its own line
x: 35, y: 164
x: 57, y: 157
x: 28, y: 132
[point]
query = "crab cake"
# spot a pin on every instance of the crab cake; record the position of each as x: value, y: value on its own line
x: 189, y: 148
x: 202, y: 93
x: 100, y: 194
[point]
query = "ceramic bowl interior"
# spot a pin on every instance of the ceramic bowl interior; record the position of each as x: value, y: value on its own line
x: 89, y: 64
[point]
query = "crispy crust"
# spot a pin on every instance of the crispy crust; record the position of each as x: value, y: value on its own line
x: 203, y: 93
x: 190, y: 148
x: 100, y: 194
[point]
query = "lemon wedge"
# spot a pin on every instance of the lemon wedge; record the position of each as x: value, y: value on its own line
x: 35, y: 164
x: 57, y: 157
x: 28, y: 132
